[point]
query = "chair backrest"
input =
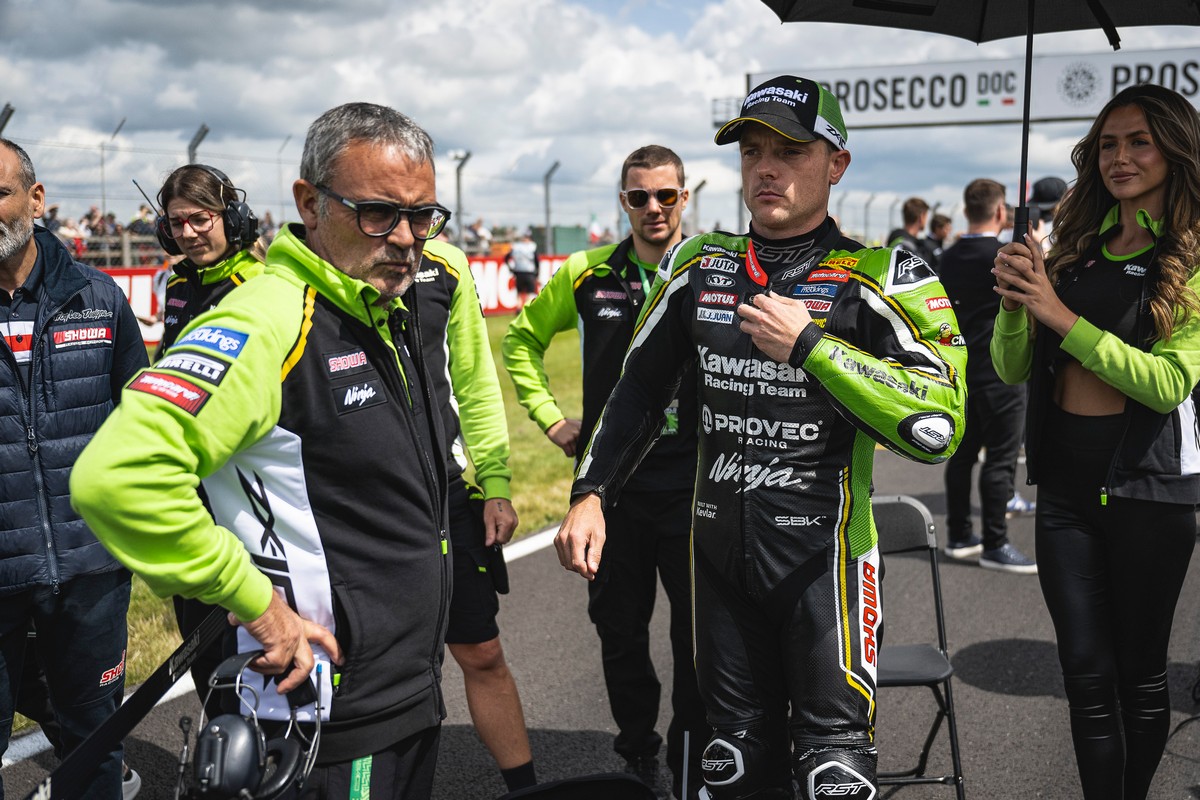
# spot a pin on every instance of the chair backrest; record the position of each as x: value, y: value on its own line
x: 904, y: 524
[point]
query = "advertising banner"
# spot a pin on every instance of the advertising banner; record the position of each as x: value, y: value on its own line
x: 1065, y: 87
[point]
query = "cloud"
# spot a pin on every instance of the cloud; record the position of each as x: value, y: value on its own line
x: 519, y: 83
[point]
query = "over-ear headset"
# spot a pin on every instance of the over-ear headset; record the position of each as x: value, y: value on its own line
x: 241, y: 226
x: 234, y: 758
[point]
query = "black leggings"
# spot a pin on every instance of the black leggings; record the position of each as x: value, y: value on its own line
x: 1111, y: 576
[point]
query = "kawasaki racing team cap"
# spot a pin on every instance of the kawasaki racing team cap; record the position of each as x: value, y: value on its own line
x: 800, y: 109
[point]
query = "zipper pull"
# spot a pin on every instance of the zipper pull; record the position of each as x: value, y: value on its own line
x: 1103, y: 495
x: 445, y: 542
x: 31, y: 440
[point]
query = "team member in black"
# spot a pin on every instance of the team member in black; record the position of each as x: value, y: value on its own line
x: 1107, y: 331
x: 995, y: 411
x: 601, y: 291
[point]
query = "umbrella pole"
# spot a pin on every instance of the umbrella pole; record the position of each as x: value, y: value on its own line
x: 1021, y: 215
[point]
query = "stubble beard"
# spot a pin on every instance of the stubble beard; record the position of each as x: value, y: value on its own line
x: 13, y: 238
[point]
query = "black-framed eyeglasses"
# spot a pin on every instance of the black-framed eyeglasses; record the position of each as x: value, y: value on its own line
x: 637, y: 198
x: 377, y: 218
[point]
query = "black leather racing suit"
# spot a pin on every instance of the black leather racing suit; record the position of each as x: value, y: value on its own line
x: 786, y: 569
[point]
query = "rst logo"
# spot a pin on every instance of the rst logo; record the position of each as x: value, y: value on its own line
x: 719, y: 264
x: 937, y: 303
x: 719, y: 298
x: 718, y: 281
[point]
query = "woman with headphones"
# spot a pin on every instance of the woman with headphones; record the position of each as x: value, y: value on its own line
x: 204, y: 218
x: 1107, y: 330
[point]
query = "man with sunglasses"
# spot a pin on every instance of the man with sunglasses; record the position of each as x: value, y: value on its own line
x: 303, y: 403
x: 602, y: 291
x: 811, y: 349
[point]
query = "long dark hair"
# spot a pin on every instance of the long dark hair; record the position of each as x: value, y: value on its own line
x: 1175, y: 127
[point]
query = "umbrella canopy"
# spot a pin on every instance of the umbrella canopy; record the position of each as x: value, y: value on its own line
x: 988, y: 20
x: 984, y: 21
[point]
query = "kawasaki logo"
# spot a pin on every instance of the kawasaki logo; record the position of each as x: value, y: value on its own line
x: 718, y: 364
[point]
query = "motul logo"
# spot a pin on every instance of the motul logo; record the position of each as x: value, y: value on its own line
x: 937, y: 303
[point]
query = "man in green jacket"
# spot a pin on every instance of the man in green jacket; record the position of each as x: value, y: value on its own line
x: 602, y: 291
x: 303, y: 405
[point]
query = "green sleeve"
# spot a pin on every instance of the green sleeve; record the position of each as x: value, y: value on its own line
x: 1160, y: 379
x: 135, y: 483
x: 902, y: 380
x: 524, y: 346
x: 1011, y: 348
x: 476, y: 387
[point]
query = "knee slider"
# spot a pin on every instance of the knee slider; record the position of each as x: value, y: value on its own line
x: 838, y: 772
x: 738, y: 767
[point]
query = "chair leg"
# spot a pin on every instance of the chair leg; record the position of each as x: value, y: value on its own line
x: 952, y: 730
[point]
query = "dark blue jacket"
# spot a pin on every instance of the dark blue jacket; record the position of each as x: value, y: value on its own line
x: 86, y: 345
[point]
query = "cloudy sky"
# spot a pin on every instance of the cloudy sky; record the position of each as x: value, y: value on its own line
x: 518, y: 83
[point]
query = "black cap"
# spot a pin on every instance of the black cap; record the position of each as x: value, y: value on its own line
x: 1047, y: 192
x: 797, y: 108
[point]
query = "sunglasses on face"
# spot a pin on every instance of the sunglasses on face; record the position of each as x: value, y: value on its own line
x: 378, y: 219
x: 637, y: 198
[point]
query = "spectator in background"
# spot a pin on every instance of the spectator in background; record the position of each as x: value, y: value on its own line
x: 1006, y: 227
x: 1043, y: 204
x: 50, y: 220
x: 940, y: 230
x: 143, y: 223
x: 523, y: 262
x: 56, y: 575
x: 479, y: 237
x: 601, y: 292
x: 915, y: 213
x: 995, y: 410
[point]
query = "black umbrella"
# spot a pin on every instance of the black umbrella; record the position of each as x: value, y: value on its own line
x: 987, y: 20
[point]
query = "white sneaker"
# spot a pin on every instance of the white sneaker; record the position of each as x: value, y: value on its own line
x: 131, y: 783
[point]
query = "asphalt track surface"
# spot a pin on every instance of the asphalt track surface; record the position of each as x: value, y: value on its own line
x: 1013, y: 726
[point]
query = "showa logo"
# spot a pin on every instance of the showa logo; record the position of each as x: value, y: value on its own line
x: 113, y: 674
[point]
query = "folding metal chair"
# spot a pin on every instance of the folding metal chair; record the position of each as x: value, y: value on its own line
x: 906, y: 526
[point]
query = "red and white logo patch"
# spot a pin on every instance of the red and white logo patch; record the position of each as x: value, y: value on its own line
x: 175, y: 390
x: 113, y: 674
x: 937, y: 303
x: 88, y: 334
x: 719, y: 298
x: 819, y: 306
x: 839, y: 275
x: 345, y: 361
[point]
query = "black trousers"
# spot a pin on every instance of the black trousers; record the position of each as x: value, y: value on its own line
x: 995, y: 420
x: 648, y: 537
x: 1111, y: 576
x: 403, y: 771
